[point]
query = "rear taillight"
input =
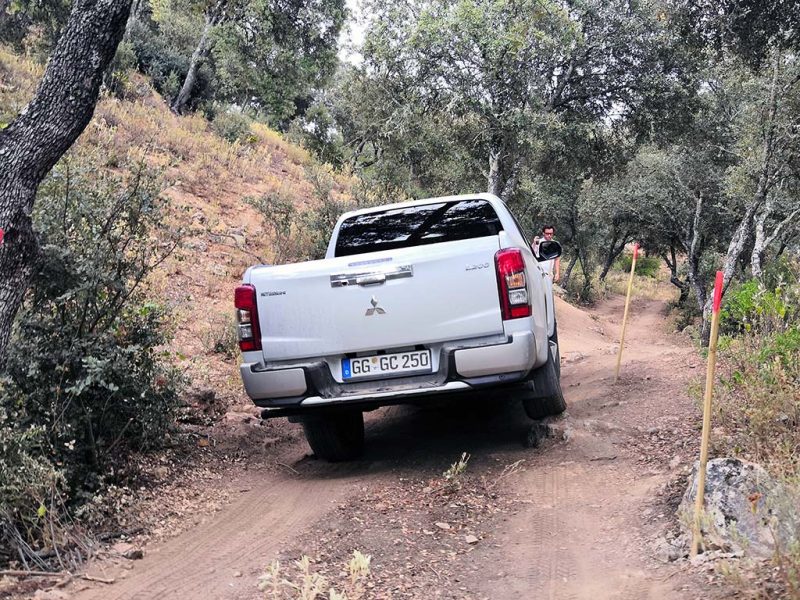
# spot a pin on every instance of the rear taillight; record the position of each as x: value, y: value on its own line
x: 512, y: 284
x: 247, y: 318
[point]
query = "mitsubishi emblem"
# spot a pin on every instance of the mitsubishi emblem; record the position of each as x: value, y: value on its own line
x: 375, y: 310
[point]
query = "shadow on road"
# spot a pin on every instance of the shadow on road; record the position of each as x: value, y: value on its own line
x: 422, y: 438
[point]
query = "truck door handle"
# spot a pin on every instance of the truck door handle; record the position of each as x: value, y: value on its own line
x: 372, y: 279
x: 376, y: 278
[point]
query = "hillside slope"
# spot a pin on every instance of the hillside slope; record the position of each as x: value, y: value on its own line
x: 206, y: 180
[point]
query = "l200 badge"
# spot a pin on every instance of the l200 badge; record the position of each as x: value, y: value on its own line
x: 477, y: 266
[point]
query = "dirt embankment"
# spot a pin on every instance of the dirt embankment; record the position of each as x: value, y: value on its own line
x: 576, y: 517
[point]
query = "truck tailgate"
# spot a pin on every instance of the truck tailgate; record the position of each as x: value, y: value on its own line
x: 381, y: 300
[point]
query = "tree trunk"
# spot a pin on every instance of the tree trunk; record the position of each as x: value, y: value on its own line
x: 568, y: 273
x: 758, y: 245
x: 766, y: 180
x: 762, y: 240
x: 503, y: 178
x: 614, y: 250
x: 586, y: 290
x: 494, y: 184
x: 44, y: 131
x: 136, y: 8
x: 694, y: 248
x: 199, y: 55
x: 735, y: 249
x: 672, y: 263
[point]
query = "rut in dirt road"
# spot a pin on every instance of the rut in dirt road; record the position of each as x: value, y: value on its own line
x: 579, y: 531
x: 583, y: 533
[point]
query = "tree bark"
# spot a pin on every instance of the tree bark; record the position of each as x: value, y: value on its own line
x: 763, y: 241
x: 568, y: 272
x: 494, y: 179
x: 200, y: 54
x: 44, y: 131
x: 618, y: 243
x: 694, y: 251
x: 672, y: 263
x: 503, y: 176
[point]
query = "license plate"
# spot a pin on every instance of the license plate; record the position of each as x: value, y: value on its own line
x: 418, y: 361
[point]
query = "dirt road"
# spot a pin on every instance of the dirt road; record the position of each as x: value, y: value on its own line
x: 575, y: 518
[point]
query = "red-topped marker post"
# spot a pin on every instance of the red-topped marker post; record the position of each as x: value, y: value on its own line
x: 712, y: 365
x: 625, y: 314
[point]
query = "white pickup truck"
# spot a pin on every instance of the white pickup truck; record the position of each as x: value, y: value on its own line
x: 435, y: 296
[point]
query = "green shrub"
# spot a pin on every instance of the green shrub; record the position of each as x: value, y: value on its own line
x: 646, y: 266
x: 86, y: 381
x: 164, y: 55
x: 232, y: 126
x: 117, y: 76
x: 750, y: 306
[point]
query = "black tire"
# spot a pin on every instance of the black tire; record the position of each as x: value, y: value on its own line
x: 336, y: 436
x: 546, y: 399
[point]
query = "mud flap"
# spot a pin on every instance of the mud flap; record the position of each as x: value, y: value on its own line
x: 545, y: 381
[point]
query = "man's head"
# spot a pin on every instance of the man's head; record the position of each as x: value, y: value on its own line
x: 548, y: 231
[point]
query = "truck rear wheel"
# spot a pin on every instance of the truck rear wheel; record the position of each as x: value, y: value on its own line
x: 545, y: 398
x: 336, y: 436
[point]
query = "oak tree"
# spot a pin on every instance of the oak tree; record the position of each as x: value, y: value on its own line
x: 33, y: 142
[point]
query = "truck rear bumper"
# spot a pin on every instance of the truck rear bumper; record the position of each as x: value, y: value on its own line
x: 518, y: 355
x: 273, y: 384
x: 311, y: 385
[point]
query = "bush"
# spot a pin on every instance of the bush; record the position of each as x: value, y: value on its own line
x: 221, y: 337
x: 163, y: 50
x: 85, y: 380
x: 750, y: 306
x: 646, y: 266
x: 28, y: 482
x: 233, y: 126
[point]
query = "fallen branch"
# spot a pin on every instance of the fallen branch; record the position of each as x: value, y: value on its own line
x: 28, y: 573
x: 98, y: 579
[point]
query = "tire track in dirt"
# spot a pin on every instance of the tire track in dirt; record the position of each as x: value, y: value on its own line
x: 224, y: 557
x: 577, y: 534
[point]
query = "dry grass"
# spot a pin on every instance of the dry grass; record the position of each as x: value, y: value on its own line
x: 18, y: 79
x: 649, y: 288
x: 758, y: 400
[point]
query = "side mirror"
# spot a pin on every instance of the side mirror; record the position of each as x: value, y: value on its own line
x: 548, y: 250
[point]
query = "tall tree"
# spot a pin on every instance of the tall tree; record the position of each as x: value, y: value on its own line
x: 514, y: 70
x: 264, y: 54
x: 214, y: 14
x: 768, y: 151
x: 44, y: 130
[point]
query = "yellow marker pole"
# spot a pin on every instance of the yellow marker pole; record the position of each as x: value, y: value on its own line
x: 625, y: 314
x: 712, y: 364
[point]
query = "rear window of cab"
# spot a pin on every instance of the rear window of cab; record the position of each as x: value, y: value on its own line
x: 417, y: 226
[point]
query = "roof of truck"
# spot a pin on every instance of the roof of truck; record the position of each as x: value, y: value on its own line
x: 479, y: 196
